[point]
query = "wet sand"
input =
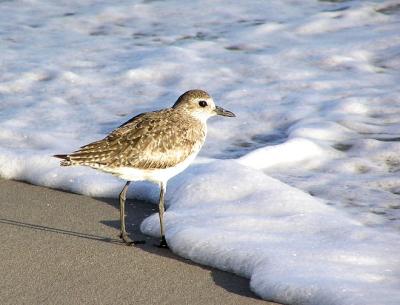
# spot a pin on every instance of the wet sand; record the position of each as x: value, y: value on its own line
x: 63, y: 248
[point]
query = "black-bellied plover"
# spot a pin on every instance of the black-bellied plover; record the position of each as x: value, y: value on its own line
x: 152, y: 146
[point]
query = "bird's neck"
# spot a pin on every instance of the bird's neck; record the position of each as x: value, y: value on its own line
x: 200, y: 116
x: 196, y: 118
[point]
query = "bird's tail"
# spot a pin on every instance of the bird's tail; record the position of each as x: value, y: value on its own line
x: 66, y: 161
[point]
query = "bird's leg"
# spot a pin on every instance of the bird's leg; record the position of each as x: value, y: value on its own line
x: 122, y: 198
x: 163, y: 242
x: 124, y: 236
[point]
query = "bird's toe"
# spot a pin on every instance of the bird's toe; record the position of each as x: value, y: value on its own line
x: 163, y: 243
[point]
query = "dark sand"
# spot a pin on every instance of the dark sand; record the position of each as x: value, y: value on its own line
x: 62, y: 248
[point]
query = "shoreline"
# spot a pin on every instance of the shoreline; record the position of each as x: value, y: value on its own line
x: 63, y: 248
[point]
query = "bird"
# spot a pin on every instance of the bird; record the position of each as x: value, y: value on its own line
x: 152, y: 146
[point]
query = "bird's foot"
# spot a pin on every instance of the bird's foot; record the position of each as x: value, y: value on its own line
x: 163, y: 243
x: 129, y: 242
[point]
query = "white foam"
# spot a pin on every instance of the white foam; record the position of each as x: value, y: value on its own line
x: 294, y: 248
x: 293, y: 151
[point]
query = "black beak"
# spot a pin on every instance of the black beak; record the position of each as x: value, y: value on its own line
x: 221, y: 111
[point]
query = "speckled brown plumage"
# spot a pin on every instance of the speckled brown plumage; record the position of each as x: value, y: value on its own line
x: 152, y: 140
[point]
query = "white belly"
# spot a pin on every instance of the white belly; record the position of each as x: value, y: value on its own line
x: 153, y: 175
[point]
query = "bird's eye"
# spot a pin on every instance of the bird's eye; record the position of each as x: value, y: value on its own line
x: 203, y: 103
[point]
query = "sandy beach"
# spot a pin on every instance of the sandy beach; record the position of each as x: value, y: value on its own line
x: 62, y: 248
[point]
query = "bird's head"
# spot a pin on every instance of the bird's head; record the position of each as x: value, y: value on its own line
x: 200, y: 105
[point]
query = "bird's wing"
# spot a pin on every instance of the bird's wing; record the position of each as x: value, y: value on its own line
x: 148, y: 141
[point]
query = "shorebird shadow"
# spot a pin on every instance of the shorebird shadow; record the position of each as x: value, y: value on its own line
x: 137, y: 211
x: 58, y: 231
